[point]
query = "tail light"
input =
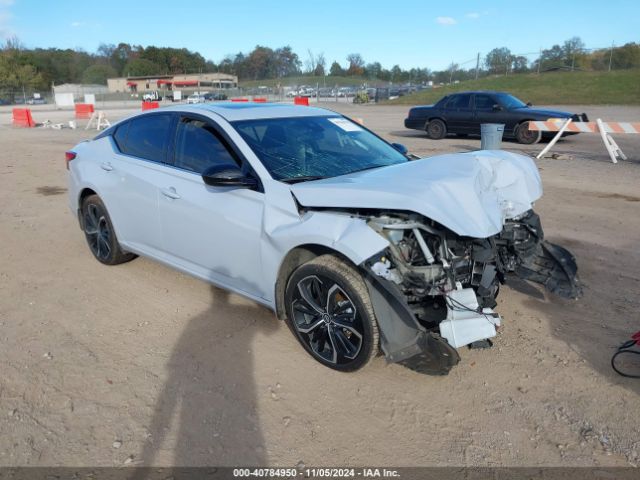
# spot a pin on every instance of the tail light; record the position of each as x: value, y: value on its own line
x: 68, y: 156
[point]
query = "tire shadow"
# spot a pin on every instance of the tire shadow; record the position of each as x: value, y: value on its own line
x: 209, y: 396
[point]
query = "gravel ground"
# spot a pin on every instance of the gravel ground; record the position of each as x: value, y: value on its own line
x: 139, y: 364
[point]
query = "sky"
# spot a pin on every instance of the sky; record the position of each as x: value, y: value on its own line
x: 410, y: 33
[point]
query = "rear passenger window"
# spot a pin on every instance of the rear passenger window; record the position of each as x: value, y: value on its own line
x: 459, y: 101
x: 199, y: 147
x: 120, y: 136
x: 147, y: 136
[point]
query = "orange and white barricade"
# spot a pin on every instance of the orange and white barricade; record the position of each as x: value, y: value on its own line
x: 605, y: 129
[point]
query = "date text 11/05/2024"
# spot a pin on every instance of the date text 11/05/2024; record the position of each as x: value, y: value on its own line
x: 316, y: 472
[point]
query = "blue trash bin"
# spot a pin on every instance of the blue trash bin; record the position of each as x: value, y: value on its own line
x: 491, y: 136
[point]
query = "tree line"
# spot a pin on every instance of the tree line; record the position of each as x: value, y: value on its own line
x: 39, y: 68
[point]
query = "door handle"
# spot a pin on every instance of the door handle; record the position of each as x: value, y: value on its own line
x: 170, y: 193
x: 106, y: 166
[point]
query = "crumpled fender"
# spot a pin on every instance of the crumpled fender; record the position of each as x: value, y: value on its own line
x: 286, y: 229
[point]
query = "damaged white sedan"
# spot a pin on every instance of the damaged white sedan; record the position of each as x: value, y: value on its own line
x: 359, y: 246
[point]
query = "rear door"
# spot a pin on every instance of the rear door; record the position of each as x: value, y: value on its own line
x: 134, y: 171
x: 211, y: 232
x: 484, y: 111
x: 458, y: 113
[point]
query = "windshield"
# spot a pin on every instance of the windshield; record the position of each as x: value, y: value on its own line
x: 509, y: 101
x: 307, y: 148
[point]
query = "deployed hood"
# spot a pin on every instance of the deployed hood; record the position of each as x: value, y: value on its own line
x: 469, y: 193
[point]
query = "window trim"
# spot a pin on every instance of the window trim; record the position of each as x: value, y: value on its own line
x: 476, y: 95
x: 224, y: 138
x: 127, y: 122
x: 172, y: 153
x: 455, y: 97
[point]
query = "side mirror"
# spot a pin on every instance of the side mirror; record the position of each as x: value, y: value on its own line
x: 529, y: 104
x: 227, y: 176
x: 399, y: 147
x: 497, y: 108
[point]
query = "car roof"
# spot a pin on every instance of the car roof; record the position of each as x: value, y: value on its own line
x: 474, y: 91
x: 232, y: 111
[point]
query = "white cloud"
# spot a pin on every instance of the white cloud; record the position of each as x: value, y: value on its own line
x: 77, y: 24
x: 473, y: 15
x: 6, y: 3
x: 446, y: 20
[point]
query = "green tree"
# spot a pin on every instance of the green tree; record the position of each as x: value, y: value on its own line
x: 373, y: 70
x: 520, y: 64
x: 98, y: 74
x: 627, y: 56
x: 336, y: 70
x: 498, y: 60
x: 287, y: 62
x: 140, y: 67
x: 356, y: 64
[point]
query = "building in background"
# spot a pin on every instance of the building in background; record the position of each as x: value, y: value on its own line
x: 79, y: 90
x: 172, y: 82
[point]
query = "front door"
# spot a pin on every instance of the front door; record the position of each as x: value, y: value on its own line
x: 211, y: 232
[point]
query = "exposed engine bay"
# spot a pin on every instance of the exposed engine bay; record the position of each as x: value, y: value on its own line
x: 450, y: 282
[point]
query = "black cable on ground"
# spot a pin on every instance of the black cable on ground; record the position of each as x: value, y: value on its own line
x: 625, y: 348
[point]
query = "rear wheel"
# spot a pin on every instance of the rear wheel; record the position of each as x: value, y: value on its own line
x: 99, y: 232
x: 526, y: 136
x: 330, y: 313
x: 436, y: 129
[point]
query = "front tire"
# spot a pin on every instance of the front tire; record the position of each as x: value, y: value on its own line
x: 436, y: 129
x: 330, y: 313
x: 99, y: 232
x: 526, y: 136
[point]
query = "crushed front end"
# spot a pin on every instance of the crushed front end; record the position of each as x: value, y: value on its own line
x: 440, y: 288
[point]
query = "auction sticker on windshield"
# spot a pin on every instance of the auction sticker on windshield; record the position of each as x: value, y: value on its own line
x: 345, y: 124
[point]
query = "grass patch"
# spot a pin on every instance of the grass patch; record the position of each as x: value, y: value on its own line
x: 552, y: 88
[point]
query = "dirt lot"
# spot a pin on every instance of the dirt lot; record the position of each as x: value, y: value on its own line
x: 138, y: 364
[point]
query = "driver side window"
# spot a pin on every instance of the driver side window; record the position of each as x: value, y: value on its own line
x: 485, y: 102
x: 198, y: 146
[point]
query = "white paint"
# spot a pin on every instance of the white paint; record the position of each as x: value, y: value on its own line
x: 546, y: 149
x: 464, y: 325
x: 470, y: 193
x: 609, y: 143
x: 345, y: 125
x: 90, y: 98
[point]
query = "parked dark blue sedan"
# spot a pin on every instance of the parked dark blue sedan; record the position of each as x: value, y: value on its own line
x: 462, y: 113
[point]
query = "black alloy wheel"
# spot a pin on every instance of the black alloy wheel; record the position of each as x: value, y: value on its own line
x: 329, y: 311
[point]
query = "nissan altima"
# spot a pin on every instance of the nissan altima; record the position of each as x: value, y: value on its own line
x: 357, y: 245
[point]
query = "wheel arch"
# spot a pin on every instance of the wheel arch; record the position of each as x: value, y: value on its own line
x: 83, y: 193
x: 295, y: 257
x: 435, y: 117
x: 519, y: 123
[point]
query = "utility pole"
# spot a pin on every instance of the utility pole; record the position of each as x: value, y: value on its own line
x: 539, y: 60
x: 610, y: 55
x: 477, y: 64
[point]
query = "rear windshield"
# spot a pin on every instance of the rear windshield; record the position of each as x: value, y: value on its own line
x: 322, y: 147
